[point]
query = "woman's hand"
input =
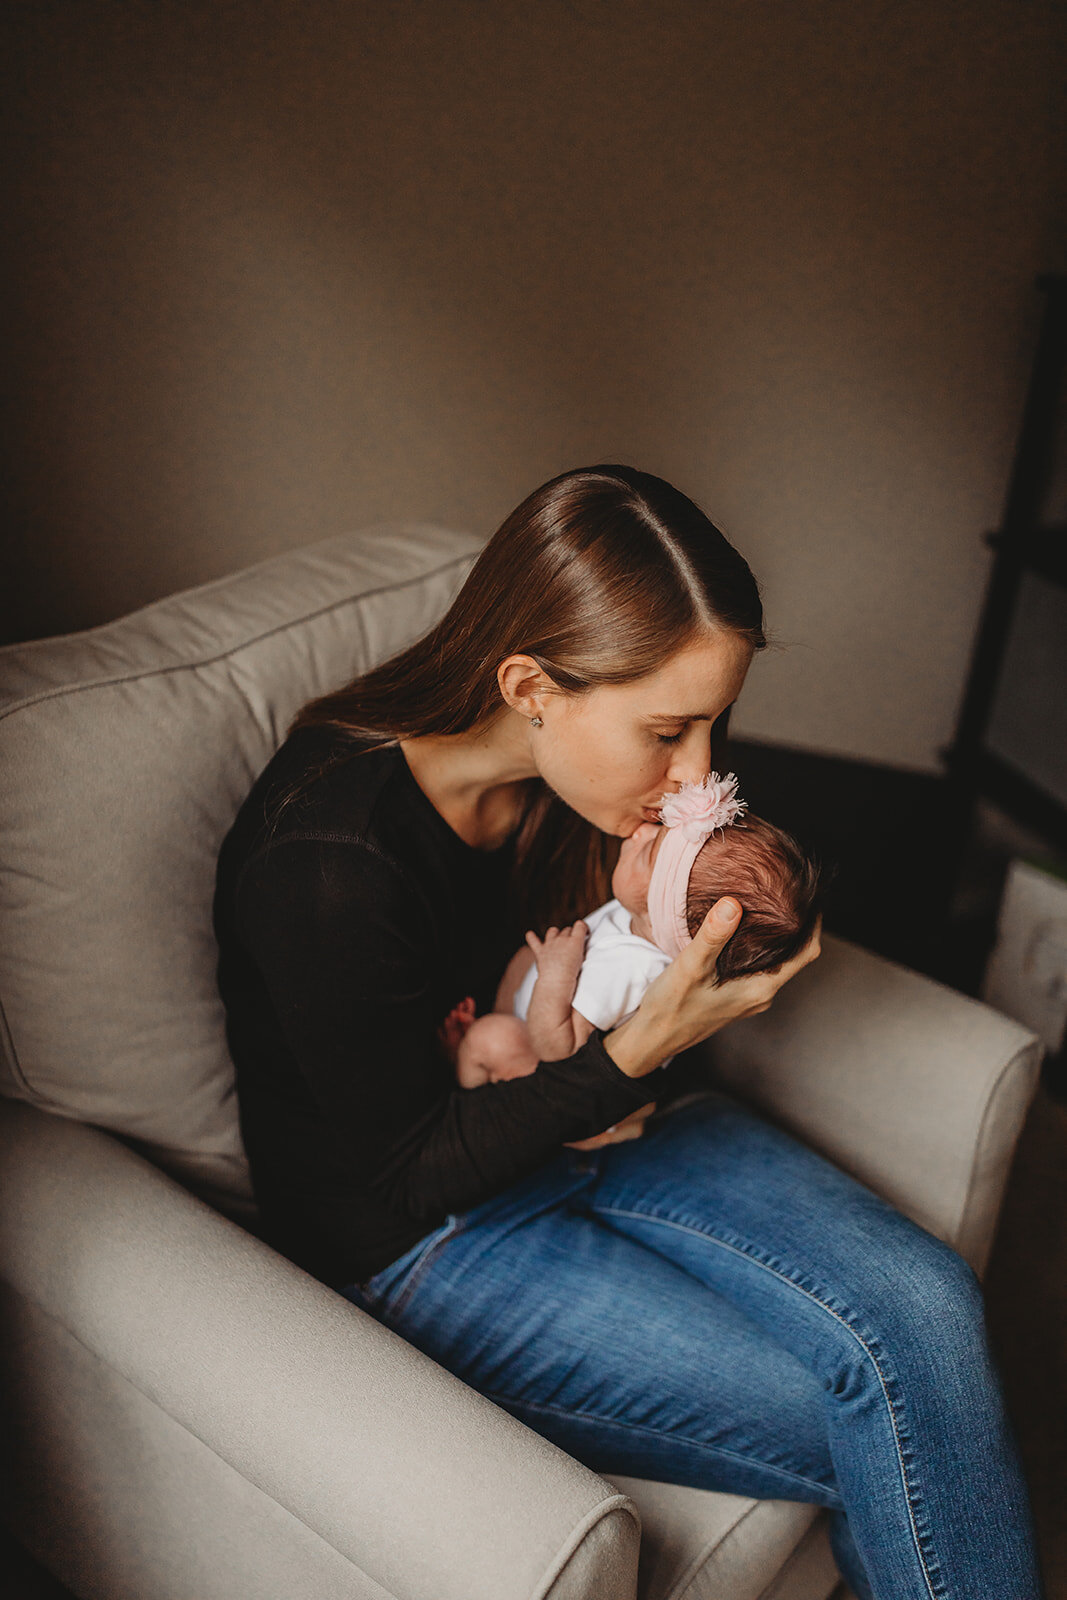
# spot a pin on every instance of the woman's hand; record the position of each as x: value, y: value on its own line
x: 631, y: 1127
x: 685, y: 1005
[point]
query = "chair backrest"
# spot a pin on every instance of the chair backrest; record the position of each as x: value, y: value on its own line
x: 125, y: 752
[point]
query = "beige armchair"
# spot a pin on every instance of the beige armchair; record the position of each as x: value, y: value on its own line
x: 190, y: 1416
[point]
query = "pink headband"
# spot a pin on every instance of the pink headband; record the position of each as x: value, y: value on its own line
x: 689, y: 818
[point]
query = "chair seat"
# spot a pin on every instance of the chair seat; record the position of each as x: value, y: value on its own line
x: 700, y: 1545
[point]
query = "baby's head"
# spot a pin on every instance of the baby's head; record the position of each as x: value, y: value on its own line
x: 671, y: 876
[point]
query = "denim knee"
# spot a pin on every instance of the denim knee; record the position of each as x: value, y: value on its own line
x: 921, y: 1306
x: 936, y: 1284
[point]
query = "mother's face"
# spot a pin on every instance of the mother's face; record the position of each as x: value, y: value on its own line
x: 612, y: 752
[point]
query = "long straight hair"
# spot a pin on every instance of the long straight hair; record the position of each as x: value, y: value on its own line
x: 599, y: 576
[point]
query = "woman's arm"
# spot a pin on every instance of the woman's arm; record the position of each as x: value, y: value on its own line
x: 345, y: 952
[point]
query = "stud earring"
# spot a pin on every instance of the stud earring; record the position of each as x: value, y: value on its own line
x: 536, y: 722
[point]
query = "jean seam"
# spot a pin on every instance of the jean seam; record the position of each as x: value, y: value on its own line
x: 417, y: 1270
x: 572, y: 1412
x: 750, y: 1255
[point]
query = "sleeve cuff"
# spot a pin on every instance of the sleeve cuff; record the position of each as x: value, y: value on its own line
x: 641, y: 1090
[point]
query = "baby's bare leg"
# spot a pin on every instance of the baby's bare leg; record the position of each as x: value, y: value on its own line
x: 559, y: 960
x: 494, y: 1047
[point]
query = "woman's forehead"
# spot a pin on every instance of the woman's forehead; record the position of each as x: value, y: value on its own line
x: 696, y: 682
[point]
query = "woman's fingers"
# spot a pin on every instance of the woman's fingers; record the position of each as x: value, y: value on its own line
x: 763, y: 986
x: 714, y: 933
x: 811, y: 950
x: 717, y: 928
x: 631, y: 1127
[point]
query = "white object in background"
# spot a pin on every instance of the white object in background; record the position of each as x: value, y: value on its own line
x: 1026, y: 976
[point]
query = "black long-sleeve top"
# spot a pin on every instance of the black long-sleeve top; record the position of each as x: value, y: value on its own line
x: 345, y: 936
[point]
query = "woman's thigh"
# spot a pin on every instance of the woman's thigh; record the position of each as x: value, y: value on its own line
x: 602, y: 1344
x: 811, y: 1254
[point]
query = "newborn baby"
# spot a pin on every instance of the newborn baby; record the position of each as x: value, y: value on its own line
x: 593, y: 974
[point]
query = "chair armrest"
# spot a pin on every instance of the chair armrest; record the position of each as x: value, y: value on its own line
x: 912, y: 1087
x: 425, y: 1484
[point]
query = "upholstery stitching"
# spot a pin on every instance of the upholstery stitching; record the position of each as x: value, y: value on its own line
x: 598, y: 1513
x: 747, y: 1255
x: 983, y: 1123
x: 810, y: 1533
x: 222, y: 655
x: 10, y: 1053
x: 681, y: 1584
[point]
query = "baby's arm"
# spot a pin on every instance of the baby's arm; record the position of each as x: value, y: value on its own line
x: 556, y: 1029
x: 509, y: 985
x: 501, y: 1045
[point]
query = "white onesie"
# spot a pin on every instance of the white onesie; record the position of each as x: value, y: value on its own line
x: 619, y: 966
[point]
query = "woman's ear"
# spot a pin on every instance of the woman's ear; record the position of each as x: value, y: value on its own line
x: 524, y: 687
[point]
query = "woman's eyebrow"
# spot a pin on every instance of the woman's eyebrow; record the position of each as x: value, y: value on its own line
x: 689, y: 716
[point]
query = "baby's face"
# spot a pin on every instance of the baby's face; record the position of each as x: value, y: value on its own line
x: 633, y: 872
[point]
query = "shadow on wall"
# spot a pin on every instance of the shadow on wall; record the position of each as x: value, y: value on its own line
x: 281, y: 272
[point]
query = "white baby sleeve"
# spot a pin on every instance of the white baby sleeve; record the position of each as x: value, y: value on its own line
x: 613, y: 981
x: 521, y: 1001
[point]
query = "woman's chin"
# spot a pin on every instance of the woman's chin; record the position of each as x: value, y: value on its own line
x: 621, y: 826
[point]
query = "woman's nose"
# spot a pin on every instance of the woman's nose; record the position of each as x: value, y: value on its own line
x: 692, y: 760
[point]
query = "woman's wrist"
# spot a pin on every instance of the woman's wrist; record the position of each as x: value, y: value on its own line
x: 635, y: 1048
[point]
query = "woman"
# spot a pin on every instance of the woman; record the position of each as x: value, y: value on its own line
x: 689, y: 1295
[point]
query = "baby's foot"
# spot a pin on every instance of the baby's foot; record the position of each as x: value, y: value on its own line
x: 559, y: 957
x: 454, y: 1028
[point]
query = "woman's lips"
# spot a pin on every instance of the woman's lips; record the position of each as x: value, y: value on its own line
x: 650, y: 813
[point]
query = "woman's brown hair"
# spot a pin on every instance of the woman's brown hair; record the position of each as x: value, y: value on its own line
x: 600, y: 575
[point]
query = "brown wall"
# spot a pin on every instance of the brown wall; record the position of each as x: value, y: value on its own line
x: 285, y: 268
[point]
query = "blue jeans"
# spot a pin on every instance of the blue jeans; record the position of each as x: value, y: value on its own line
x: 715, y: 1304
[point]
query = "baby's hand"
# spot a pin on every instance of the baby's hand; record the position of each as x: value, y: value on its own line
x: 559, y: 956
x: 549, y: 1015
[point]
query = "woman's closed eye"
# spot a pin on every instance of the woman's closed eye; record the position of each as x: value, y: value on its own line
x: 671, y: 738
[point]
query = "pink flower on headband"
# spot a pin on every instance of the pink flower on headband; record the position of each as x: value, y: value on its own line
x: 699, y: 808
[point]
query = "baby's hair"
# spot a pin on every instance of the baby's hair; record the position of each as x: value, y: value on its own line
x: 779, y: 885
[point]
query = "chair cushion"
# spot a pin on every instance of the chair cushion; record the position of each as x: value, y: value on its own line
x: 126, y: 752
x: 697, y: 1544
